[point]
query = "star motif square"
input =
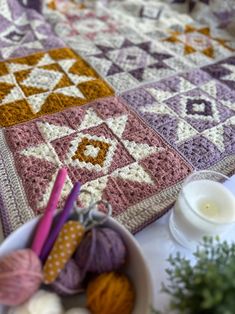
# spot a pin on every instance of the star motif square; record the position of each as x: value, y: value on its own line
x: 87, y: 23
x: 197, y: 121
x: 197, y: 44
x: 223, y: 71
x: 142, y: 61
x: 24, y: 31
x: 107, y: 148
x: 126, y: 59
x: 46, y: 83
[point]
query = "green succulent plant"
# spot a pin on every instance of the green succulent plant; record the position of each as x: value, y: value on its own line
x: 207, y: 286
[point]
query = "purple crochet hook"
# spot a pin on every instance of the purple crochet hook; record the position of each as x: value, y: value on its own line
x: 62, y: 218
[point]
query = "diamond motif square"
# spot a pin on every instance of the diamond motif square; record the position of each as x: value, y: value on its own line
x: 198, y: 121
x: 113, y: 153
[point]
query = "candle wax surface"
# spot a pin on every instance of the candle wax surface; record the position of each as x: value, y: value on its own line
x: 209, y: 208
x: 211, y: 200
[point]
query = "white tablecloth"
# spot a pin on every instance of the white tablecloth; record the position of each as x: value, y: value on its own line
x: 157, y: 243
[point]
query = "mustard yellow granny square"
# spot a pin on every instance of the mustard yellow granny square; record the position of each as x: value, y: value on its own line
x: 46, y: 82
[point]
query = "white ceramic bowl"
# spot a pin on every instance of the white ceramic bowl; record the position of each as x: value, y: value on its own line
x: 136, y: 266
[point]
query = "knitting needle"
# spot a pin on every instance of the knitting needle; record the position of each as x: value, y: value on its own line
x: 62, y: 218
x: 45, y: 222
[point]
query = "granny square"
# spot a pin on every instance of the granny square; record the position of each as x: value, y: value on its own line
x: 194, y: 113
x: 46, y: 82
x: 106, y: 147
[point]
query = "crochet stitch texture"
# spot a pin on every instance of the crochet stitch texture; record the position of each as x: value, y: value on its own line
x: 45, y: 83
x: 130, y: 98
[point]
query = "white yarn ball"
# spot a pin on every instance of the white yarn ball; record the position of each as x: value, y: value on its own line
x: 42, y: 302
x: 78, y: 310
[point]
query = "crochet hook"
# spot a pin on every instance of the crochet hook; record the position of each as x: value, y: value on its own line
x: 45, y: 222
x: 62, y: 218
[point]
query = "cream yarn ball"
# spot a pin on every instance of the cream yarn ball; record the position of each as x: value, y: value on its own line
x: 42, y: 302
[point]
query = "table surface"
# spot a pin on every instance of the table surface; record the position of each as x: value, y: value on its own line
x: 157, y: 244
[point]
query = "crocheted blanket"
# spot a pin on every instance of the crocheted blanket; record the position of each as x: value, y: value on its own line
x: 129, y: 96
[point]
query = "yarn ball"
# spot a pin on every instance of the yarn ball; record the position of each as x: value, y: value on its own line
x: 69, y: 280
x: 20, y: 276
x: 42, y: 302
x: 110, y: 293
x: 101, y: 250
x: 78, y: 310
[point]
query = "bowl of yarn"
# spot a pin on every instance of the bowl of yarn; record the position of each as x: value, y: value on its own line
x: 73, y: 267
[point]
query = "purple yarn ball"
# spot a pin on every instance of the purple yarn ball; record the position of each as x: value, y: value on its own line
x: 69, y: 280
x: 101, y: 250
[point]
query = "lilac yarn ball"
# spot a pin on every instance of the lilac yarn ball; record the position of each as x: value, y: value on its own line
x: 101, y: 250
x: 69, y: 280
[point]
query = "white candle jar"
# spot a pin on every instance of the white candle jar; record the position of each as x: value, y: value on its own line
x: 205, y: 207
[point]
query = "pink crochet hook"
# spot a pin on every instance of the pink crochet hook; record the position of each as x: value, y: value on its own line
x: 62, y: 218
x: 45, y: 222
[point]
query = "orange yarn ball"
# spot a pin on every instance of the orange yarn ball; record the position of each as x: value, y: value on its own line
x: 110, y: 293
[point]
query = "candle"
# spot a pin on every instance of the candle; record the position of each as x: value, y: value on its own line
x: 204, y: 207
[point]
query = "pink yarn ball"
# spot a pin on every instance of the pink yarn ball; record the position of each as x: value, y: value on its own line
x: 20, y: 276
